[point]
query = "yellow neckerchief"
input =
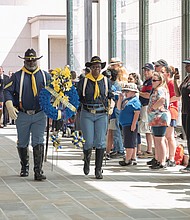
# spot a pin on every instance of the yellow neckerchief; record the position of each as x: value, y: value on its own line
x: 34, y: 87
x: 97, y: 90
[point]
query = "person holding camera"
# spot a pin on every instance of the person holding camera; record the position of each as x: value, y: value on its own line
x: 183, y: 90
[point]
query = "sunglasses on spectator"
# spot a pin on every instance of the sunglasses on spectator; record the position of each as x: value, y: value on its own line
x: 156, y: 80
x: 130, y: 79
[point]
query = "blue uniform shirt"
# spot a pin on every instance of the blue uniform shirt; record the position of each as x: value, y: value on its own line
x: 29, y: 102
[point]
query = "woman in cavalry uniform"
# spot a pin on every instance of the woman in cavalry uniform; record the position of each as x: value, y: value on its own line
x: 94, y: 93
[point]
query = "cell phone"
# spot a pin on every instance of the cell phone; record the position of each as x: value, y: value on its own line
x: 176, y: 71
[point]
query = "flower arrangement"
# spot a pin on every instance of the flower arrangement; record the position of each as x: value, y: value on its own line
x: 56, y: 140
x: 78, y: 139
x: 59, y: 100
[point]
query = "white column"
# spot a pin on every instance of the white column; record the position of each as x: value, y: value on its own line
x: 102, y: 30
x: 43, y: 49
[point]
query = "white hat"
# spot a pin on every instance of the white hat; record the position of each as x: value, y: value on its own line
x: 130, y: 87
x: 115, y: 60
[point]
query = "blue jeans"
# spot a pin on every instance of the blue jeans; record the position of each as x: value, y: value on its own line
x: 34, y: 124
x: 117, y: 137
x: 94, y: 128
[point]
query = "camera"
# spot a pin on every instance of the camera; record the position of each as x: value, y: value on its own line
x: 176, y: 71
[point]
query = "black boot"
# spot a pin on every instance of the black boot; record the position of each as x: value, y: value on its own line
x: 24, y: 161
x: 98, y: 163
x: 38, y: 154
x: 87, y: 155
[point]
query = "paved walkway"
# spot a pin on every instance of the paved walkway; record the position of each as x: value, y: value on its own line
x: 135, y: 192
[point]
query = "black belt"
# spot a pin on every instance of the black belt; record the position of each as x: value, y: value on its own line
x: 30, y: 112
x: 94, y: 111
x: 93, y: 106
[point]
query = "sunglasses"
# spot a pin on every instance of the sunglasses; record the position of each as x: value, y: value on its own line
x: 126, y: 91
x: 156, y: 80
x: 130, y: 79
x: 96, y: 67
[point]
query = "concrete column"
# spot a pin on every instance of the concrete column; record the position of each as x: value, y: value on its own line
x: 102, y: 30
x: 43, y: 49
x: 185, y: 32
x: 112, y: 28
x: 88, y: 29
x: 70, y: 56
x: 143, y: 33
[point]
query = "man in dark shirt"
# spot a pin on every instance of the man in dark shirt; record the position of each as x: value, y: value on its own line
x: 144, y: 95
x: 23, y: 91
x: 1, y: 94
x: 5, y: 111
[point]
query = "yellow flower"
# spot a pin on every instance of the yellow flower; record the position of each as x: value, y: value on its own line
x: 61, y: 93
x: 56, y: 71
x: 66, y: 98
x: 67, y: 73
x: 61, y: 80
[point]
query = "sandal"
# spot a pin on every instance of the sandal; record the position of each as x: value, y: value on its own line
x: 139, y: 153
x: 146, y: 154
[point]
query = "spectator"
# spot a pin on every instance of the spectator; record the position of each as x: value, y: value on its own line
x: 112, y: 138
x: 159, y: 64
x: 5, y: 111
x: 135, y: 78
x: 184, y: 91
x: 144, y: 96
x: 1, y: 94
x: 129, y: 106
x: 173, y: 107
x: 159, y: 118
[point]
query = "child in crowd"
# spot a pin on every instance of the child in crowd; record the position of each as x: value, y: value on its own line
x: 129, y: 106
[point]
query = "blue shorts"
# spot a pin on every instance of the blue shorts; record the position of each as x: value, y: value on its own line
x: 129, y: 137
x: 159, y: 131
x: 173, y: 123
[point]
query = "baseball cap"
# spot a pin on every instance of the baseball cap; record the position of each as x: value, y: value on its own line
x: 160, y: 62
x: 148, y: 66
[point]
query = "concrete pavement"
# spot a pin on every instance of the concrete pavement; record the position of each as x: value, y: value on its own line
x: 134, y: 192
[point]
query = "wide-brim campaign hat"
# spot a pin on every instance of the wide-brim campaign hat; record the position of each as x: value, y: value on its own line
x: 130, y: 87
x: 30, y: 54
x: 187, y: 61
x: 95, y: 60
x: 115, y: 60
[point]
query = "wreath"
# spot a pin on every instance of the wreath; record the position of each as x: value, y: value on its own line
x: 78, y: 139
x: 59, y: 100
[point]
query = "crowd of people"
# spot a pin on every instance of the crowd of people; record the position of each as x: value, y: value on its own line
x: 148, y: 107
x: 116, y: 108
